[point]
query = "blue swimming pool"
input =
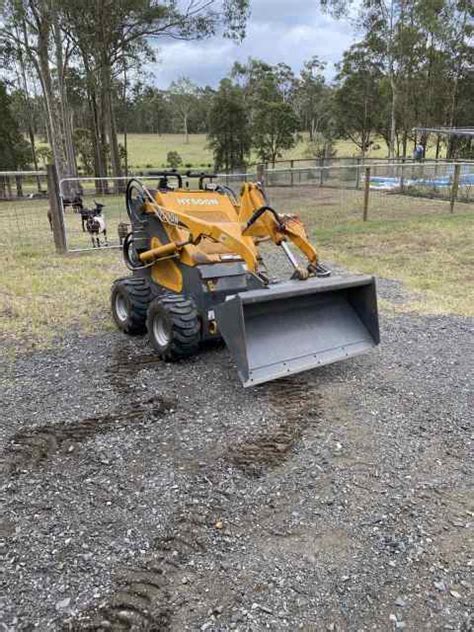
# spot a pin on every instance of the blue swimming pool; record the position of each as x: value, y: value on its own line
x: 385, y: 182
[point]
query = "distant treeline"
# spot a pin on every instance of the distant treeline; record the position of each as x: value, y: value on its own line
x: 72, y: 77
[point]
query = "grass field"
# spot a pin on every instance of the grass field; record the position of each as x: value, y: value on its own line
x: 146, y: 151
x: 150, y: 150
x: 415, y: 240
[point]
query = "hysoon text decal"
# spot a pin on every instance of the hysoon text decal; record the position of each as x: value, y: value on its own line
x: 198, y: 201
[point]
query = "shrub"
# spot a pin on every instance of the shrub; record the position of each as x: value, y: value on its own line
x: 174, y: 160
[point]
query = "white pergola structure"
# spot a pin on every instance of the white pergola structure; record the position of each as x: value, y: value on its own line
x: 466, y: 132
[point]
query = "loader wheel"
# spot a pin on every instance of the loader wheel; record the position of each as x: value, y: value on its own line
x: 130, y: 299
x: 173, y: 326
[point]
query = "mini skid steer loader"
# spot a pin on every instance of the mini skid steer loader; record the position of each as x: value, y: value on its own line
x: 197, y: 275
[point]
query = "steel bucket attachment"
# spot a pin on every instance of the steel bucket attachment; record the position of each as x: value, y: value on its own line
x: 299, y: 325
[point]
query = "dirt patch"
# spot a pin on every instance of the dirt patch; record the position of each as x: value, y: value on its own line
x: 30, y: 447
x: 297, y: 407
x: 148, y: 595
x: 332, y: 547
x: 123, y: 371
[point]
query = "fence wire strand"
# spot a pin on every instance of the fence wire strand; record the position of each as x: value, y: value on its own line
x: 331, y: 193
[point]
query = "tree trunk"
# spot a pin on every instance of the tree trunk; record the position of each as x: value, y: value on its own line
x: 31, y: 131
x: 40, y: 61
x: 67, y: 138
x: 393, y: 87
x: 186, y: 135
x: 19, y: 186
x: 100, y: 170
x: 405, y: 141
x: 109, y: 121
x: 453, y: 141
x: 125, y: 119
x: 393, y: 121
x: 96, y: 127
x: 31, y: 134
x: 53, y: 116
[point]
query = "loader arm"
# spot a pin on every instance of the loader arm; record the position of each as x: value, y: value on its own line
x: 228, y: 233
x: 279, y: 228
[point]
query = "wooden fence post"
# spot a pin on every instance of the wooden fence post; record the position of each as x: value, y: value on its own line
x: 402, y: 176
x: 357, y: 173
x: 455, y: 186
x: 19, y: 186
x: 292, y: 164
x: 260, y: 173
x: 56, y: 210
x: 366, y: 193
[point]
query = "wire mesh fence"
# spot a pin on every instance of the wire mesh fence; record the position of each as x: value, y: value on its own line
x: 348, y: 175
x: 23, y: 185
x: 86, y: 197
x: 102, y: 202
x: 330, y: 194
x: 24, y: 207
x: 424, y: 179
x: 25, y: 226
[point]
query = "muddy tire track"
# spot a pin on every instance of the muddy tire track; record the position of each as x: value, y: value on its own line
x: 30, y: 447
x: 123, y: 372
x: 142, y: 598
x: 149, y: 595
x: 297, y: 405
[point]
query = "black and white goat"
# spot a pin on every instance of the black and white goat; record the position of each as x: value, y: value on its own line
x: 95, y: 225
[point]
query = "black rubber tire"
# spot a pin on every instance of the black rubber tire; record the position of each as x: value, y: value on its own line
x: 174, y: 328
x: 129, y: 300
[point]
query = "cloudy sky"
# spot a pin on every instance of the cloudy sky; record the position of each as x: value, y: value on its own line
x: 278, y: 30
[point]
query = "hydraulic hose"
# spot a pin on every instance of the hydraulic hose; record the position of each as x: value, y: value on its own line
x: 127, y: 242
x: 259, y: 212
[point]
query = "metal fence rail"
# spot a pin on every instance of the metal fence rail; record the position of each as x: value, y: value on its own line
x: 33, y: 223
x: 345, y: 161
x: 383, y: 175
x: 21, y: 185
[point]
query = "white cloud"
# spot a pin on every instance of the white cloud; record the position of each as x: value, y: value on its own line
x: 277, y: 31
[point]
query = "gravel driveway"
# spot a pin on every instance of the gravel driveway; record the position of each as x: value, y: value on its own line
x: 145, y: 496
